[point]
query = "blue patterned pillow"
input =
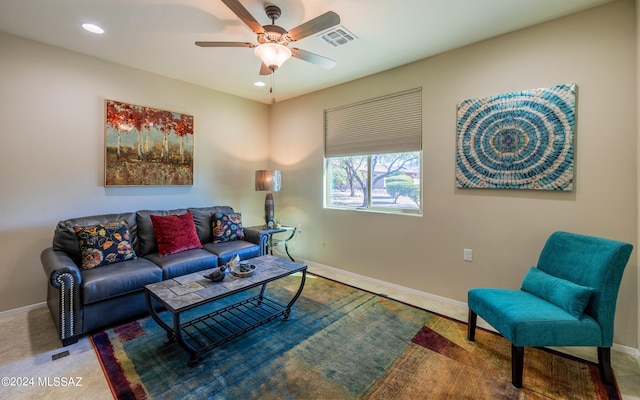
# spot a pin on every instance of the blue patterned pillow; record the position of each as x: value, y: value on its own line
x: 227, y: 227
x: 104, y: 244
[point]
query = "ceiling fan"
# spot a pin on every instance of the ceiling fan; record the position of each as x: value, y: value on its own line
x: 273, y: 40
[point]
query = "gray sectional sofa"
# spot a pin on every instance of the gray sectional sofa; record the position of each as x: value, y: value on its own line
x: 82, y: 300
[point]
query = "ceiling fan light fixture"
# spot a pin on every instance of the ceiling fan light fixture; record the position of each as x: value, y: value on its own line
x: 273, y: 55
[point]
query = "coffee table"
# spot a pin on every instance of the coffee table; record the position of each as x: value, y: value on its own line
x: 211, y: 329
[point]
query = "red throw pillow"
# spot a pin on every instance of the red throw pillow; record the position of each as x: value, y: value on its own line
x: 175, y: 233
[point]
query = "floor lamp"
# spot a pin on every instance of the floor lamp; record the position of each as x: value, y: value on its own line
x: 268, y: 180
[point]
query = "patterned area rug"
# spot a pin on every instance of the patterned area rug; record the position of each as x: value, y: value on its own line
x: 340, y: 343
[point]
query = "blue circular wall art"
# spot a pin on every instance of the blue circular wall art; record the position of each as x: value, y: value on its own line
x: 520, y: 140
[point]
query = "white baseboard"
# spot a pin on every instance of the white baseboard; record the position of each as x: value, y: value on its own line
x: 388, y: 284
x: 22, y: 309
x: 616, y: 347
x: 627, y: 350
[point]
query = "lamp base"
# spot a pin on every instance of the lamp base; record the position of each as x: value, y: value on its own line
x: 268, y: 210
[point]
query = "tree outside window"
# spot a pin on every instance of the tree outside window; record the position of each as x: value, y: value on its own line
x: 385, y: 182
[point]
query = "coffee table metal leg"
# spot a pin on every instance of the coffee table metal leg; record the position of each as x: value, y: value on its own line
x: 264, y: 287
x: 293, y: 300
x: 194, y: 359
x: 156, y: 317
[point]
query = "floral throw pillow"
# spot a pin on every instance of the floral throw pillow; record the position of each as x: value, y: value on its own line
x: 227, y: 227
x: 104, y: 244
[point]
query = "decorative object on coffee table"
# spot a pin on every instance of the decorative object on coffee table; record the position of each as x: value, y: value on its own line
x: 217, y: 274
x: 244, y: 270
x: 268, y: 180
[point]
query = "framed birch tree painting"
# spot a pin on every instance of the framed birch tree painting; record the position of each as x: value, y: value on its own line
x: 145, y: 146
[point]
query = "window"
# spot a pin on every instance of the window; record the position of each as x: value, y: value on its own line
x: 373, y: 154
x: 389, y: 182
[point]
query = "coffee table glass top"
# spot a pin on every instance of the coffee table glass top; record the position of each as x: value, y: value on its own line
x: 190, y: 290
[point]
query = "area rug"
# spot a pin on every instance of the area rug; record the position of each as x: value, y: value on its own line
x: 340, y: 343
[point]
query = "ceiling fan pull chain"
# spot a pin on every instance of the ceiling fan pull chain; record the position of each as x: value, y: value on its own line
x: 271, y: 84
x: 273, y: 79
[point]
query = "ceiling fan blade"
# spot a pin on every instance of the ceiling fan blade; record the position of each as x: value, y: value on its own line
x: 246, y: 17
x: 226, y: 44
x: 318, y: 24
x: 264, y: 70
x: 313, y: 58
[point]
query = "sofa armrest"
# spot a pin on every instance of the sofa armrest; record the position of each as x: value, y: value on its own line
x: 252, y: 234
x: 63, y: 297
x: 57, y: 263
x: 260, y: 236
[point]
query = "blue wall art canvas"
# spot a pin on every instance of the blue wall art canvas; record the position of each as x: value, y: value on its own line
x: 519, y: 140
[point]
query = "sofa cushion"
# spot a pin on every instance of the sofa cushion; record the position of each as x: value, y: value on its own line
x: 104, y: 244
x: 175, y: 233
x: 130, y: 276
x: 227, y: 250
x: 528, y: 320
x: 185, y: 262
x: 148, y: 243
x: 569, y: 296
x: 227, y: 227
x: 203, y: 218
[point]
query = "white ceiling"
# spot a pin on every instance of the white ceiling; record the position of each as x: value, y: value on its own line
x: 159, y: 35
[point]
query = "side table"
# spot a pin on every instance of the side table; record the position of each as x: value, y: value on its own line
x: 268, y: 244
x: 283, y: 242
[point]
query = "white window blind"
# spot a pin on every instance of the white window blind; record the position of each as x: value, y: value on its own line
x: 387, y: 124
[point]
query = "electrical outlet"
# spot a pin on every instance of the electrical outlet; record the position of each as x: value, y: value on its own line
x: 468, y: 255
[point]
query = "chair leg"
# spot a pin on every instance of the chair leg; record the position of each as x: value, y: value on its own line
x: 604, y: 361
x: 471, y: 327
x: 517, y: 365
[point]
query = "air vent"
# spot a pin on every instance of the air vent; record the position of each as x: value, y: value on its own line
x: 338, y: 36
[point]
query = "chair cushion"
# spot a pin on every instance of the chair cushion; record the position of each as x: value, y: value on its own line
x: 528, y: 320
x: 571, y: 297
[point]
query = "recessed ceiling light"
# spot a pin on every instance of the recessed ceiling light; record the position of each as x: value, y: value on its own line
x: 260, y: 84
x: 93, y: 28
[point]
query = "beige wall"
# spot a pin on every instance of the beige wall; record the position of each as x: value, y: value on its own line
x: 505, y: 228
x: 52, y: 152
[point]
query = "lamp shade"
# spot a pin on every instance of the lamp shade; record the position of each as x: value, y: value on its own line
x: 273, y: 55
x: 268, y: 180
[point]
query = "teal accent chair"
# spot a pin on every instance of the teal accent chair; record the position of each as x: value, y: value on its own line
x: 568, y: 300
